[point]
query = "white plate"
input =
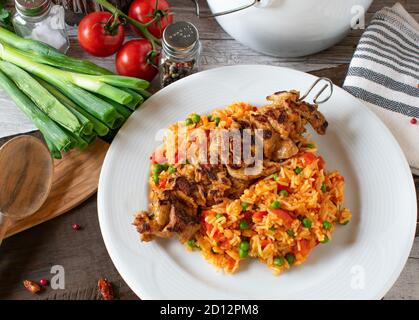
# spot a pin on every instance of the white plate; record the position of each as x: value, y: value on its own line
x: 362, y: 261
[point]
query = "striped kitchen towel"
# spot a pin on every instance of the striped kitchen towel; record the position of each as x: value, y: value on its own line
x: 384, y: 73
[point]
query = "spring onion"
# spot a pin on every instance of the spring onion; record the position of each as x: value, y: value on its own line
x: 137, y: 99
x: 42, y: 98
x: 97, y: 84
x: 125, y: 112
x: 99, y: 128
x: 55, y: 153
x: 51, y: 131
x: 46, y: 54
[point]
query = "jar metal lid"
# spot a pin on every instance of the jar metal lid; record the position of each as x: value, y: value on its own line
x: 181, y: 36
x: 32, y: 8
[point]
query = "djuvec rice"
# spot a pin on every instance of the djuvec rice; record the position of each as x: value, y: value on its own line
x: 277, y: 220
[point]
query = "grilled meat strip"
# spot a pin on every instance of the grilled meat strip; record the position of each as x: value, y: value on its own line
x: 174, y: 210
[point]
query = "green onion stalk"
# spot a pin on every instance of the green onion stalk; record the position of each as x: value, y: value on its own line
x: 103, y: 85
x: 99, y: 127
x: 45, y: 101
x: 64, y: 81
x: 122, y: 110
x: 56, y: 136
x: 45, y: 54
x: 55, y: 153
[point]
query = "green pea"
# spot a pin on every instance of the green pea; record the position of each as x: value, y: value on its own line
x: 244, y: 205
x: 157, y: 168
x: 244, y: 225
x: 325, y: 239
x: 323, y: 188
x: 307, y: 223
x: 278, y: 261
x: 191, y: 243
x: 298, y: 170
x: 219, y: 215
x: 291, y: 232
x: 327, y: 225
x: 275, y: 204
x: 156, y: 178
x: 195, y: 118
x: 244, y: 245
x: 217, y: 121
x: 275, y: 176
x: 171, y: 169
x: 290, y: 258
x: 188, y: 122
x: 283, y: 193
x: 243, y: 253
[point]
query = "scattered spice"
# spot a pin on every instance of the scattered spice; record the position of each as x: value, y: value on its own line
x: 105, y: 289
x: 75, y: 226
x: 31, y: 286
x: 43, y: 282
x: 413, y: 121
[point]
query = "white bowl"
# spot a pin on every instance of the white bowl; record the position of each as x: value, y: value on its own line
x: 289, y: 28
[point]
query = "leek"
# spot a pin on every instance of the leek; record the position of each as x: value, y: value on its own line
x: 100, y: 128
x: 120, y: 108
x: 46, y: 54
x: 48, y: 127
x: 136, y: 101
x: 42, y: 98
x: 95, y: 84
x: 144, y: 93
x: 55, y: 153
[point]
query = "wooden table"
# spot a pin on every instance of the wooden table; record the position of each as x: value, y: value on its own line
x: 31, y: 254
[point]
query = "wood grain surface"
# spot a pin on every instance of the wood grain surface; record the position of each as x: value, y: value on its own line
x: 31, y: 254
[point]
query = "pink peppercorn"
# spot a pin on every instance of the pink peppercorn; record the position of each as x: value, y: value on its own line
x: 43, y: 282
x: 75, y: 226
x: 413, y: 121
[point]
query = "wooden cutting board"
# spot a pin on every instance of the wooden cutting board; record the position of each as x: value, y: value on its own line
x: 76, y: 178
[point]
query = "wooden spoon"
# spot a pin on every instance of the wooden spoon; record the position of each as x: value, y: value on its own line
x: 26, y: 170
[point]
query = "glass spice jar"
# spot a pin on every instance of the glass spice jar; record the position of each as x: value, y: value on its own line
x: 39, y: 20
x: 180, y: 52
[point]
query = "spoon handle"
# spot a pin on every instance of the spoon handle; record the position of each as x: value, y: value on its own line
x: 4, y: 225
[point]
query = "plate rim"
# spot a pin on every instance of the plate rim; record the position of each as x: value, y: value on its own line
x: 406, y: 170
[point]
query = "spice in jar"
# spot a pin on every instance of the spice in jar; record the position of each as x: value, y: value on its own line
x: 180, y: 52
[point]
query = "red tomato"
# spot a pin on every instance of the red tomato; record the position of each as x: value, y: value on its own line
x: 131, y: 60
x: 260, y: 214
x: 283, y: 215
x: 162, y: 183
x: 264, y: 243
x: 305, y: 247
x: 145, y: 10
x: 95, y: 37
x: 309, y: 157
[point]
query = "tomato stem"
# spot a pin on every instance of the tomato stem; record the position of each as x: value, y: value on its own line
x: 111, y: 26
x: 140, y: 26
